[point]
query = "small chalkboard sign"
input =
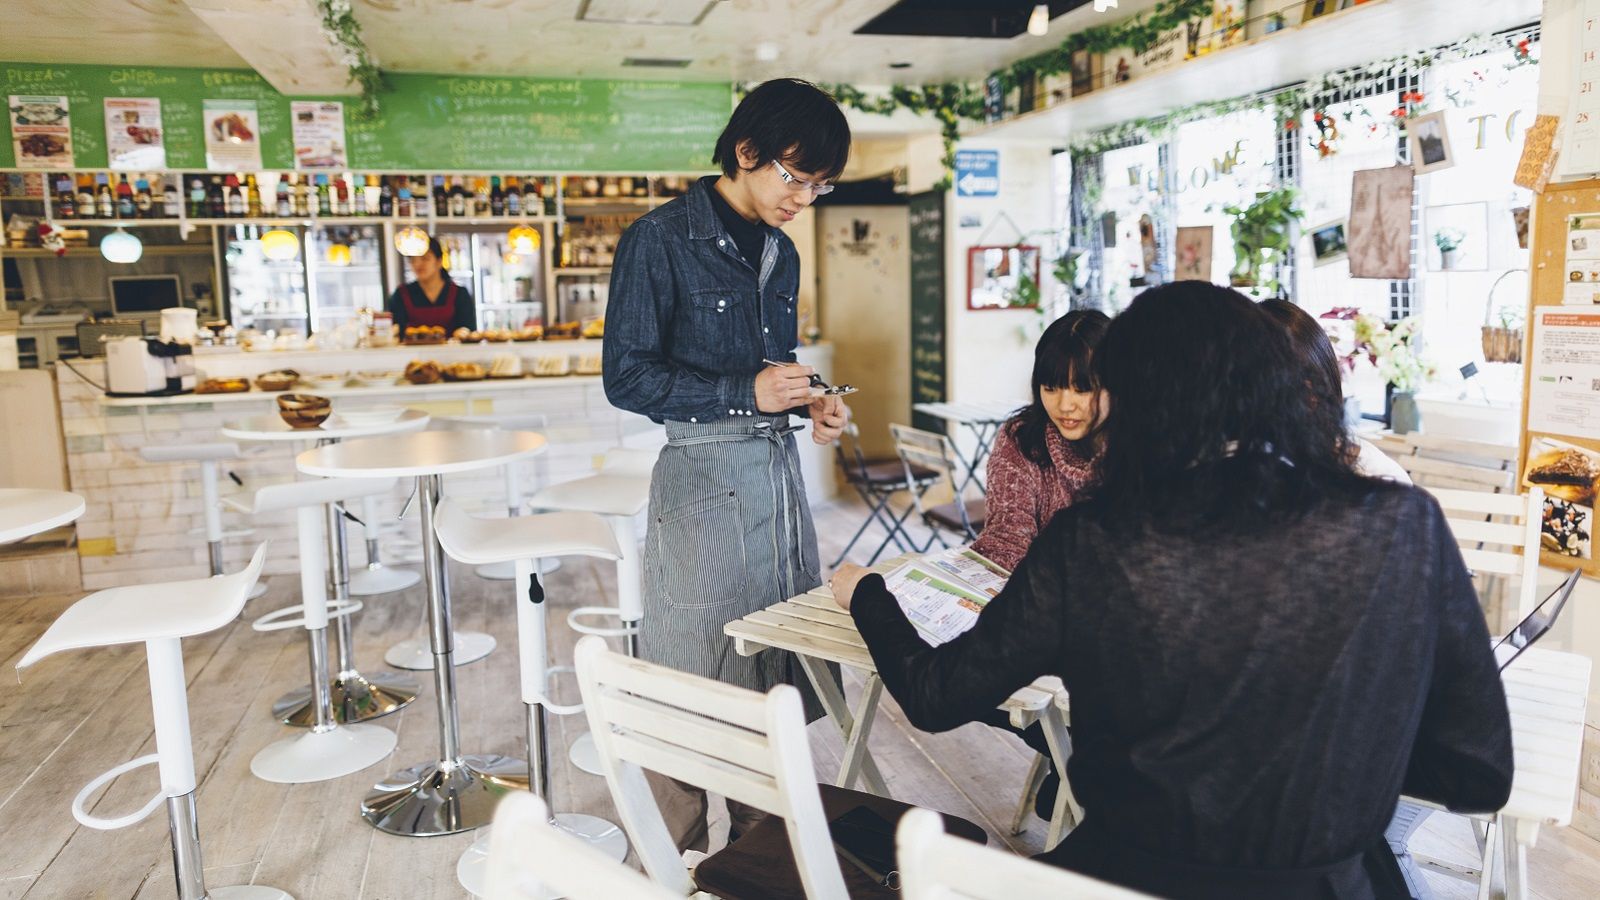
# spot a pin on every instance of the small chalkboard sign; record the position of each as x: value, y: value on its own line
x: 927, y: 217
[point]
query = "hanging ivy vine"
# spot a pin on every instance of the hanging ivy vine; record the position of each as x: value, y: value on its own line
x: 340, y: 27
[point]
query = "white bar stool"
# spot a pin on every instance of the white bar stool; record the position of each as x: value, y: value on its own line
x: 160, y: 616
x: 619, y: 492
x: 525, y: 542
x: 327, y: 751
x: 354, y: 696
x: 516, y: 503
x: 207, y: 455
x: 376, y: 578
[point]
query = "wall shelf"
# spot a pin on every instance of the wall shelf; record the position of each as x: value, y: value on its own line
x: 75, y: 252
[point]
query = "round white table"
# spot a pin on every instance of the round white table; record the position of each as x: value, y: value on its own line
x: 25, y: 512
x: 356, y: 696
x: 452, y: 793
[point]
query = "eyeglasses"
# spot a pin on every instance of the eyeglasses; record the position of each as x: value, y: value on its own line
x: 796, y: 185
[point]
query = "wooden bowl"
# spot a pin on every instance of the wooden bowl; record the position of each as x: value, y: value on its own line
x: 304, y: 410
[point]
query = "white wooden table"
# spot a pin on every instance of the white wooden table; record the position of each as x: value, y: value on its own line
x: 25, y: 512
x: 1547, y: 693
x: 817, y: 631
x: 983, y: 420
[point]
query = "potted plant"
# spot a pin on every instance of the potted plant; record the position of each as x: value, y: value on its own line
x: 1395, y: 351
x: 1448, y: 240
x: 1262, y: 236
x: 1503, y: 342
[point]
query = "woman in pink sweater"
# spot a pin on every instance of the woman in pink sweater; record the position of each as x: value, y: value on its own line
x: 1044, y: 457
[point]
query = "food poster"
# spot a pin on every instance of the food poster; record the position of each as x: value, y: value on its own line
x: 41, y: 131
x: 318, y: 128
x: 1582, y: 272
x: 233, y: 134
x: 1564, y: 372
x: 134, y: 139
x: 1567, y: 474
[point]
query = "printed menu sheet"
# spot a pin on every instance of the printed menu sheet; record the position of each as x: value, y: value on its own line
x: 233, y: 135
x: 41, y: 131
x: 318, y: 127
x: 943, y: 593
x: 972, y: 568
x: 134, y: 139
x: 1564, y: 373
x: 1582, y: 284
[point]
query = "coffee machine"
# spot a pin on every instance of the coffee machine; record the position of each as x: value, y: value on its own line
x: 146, y: 367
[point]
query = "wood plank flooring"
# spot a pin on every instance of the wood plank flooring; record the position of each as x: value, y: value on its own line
x: 79, y: 713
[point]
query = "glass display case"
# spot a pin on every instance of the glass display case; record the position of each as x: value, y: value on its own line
x: 344, y: 269
x: 264, y: 293
x: 508, y: 287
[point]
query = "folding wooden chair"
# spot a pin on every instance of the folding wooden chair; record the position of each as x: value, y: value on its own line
x: 530, y: 859
x: 961, y: 517
x: 937, y: 866
x: 877, y: 481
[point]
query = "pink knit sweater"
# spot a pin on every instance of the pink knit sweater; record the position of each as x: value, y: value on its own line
x: 1023, y: 497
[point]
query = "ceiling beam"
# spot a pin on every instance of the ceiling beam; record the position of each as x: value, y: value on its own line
x: 282, y: 40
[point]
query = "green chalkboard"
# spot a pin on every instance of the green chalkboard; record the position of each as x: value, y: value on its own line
x: 427, y: 123
x: 927, y: 304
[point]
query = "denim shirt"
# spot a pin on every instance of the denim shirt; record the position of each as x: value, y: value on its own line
x: 688, y: 321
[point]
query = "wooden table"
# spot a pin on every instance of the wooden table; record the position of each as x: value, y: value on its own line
x: 1547, y: 692
x: 817, y: 631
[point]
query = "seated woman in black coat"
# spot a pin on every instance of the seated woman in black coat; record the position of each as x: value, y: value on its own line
x: 1263, y: 648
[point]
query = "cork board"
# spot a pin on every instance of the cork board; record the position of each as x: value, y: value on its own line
x: 1549, y: 451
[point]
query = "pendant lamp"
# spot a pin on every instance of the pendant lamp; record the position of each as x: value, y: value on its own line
x: 280, y: 244
x: 524, y: 239
x: 411, y: 241
x: 121, y: 247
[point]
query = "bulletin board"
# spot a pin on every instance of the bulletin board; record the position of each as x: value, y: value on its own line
x: 1560, y: 433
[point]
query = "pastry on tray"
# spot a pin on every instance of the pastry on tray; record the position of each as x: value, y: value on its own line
x: 222, y: 386
x: 424, y: 334
x: 595, y: 328
x: 563, y: 331
x: 548, y: 366
x: 465, y: 371
x: 529, y: 333
x: 588, y: 365
x: 420, y: 371
x: 505, y: 365
x: 1565, y: 474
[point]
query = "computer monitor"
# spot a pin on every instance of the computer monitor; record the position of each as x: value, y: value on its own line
x: 144, y: 295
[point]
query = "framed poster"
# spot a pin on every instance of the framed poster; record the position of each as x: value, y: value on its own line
x: 1328, y: 243
x: 1194, y: 252
x: 1430, y: 143
x: 1005, y: 277
x: 41, y: 131
x: 1378, y: 230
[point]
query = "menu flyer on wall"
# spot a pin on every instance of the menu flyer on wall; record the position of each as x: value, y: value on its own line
x: 1581, y: 283
x: 318, y: 128
x: 134, y: 139
x: 1564, y: 373
x: 41, y: 131
x: 233, y: 134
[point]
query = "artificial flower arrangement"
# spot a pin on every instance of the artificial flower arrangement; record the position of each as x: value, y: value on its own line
x: 1393, y: 349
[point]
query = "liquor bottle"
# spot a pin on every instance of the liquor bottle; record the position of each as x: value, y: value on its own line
x: 85, y: 197
x: 513, y: 199
x: 402, y: 200
x: 341, y: 196
x: 421, y: 199
x: 252, y: 197
x: 532, y: 205
x: 169, y: 197
x: 126, y: 209
x: 458, y: 200
x: 497, y: 200
x: 480, y: 195
x: 302, y: 196
x: 324, y: 197
x: 441, y: 200
x: 66, y: 198
x: 385, y: 197
x: 234, y: 197
x: 143, y: 203
x: 284, y: 197
x: 371, y: 197
x: 197, y: 199
x: 105, y: 206
x: 216, y: 200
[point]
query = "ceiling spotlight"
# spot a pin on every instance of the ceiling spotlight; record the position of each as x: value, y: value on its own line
x: 766, y: 51
x: 1103, y: 5
x: 1039, y: 20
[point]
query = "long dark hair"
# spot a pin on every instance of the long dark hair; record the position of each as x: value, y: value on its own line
x: 1209, y: 426
x: 1063, y: 358
x: 1311, y: 345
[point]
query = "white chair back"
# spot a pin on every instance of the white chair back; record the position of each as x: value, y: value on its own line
x: 928, y: 449
x: 743, y: 745
x: 1442, y: 462
x: 937, y: 866
x: 1498, y: 535
x: 529, y: 859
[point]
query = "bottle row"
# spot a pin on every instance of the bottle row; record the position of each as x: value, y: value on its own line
x: 167, y: 195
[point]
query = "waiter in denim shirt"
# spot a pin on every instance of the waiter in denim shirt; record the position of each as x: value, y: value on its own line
x: 703, y: 290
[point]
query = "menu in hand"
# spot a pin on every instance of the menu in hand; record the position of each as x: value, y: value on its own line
x: 943, y: 593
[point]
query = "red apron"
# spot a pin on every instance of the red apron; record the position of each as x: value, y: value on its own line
x: 441, y: 314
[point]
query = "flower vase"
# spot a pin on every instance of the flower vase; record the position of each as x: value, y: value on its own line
x: 1447, y: 260
x: 1404, y: 417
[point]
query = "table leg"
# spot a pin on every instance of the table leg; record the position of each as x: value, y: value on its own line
x: 455, y: 793
x: 850, y: 727
x: 1066, y: 812
x: 1490, y: 882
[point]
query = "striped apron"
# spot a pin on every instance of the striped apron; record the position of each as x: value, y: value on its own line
x: 729, y: 533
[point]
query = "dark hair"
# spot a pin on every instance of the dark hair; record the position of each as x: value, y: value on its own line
x: 1209, y: 425
x: 435, y: 248
x: 788, y: 120
x: 1312, y: 347
x: 1062, y: 359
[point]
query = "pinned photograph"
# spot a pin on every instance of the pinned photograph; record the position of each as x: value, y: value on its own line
x: 1430, y: 143
x: 1567, y: 474
x: 1194, y: 253
x: 1328, y: 243
x: 1379, y: 226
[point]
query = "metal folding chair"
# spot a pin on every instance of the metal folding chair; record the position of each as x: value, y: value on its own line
x: 928, y: 450
x: 876, y: 481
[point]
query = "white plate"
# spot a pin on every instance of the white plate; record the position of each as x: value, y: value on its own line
x: 372, y: 415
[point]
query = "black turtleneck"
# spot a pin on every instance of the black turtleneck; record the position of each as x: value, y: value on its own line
x: 749, y: 237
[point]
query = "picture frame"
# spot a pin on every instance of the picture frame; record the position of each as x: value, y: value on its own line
x: 1193, y: 250
x: 1316, y: 8
x: 1378, y: 227
x: 1003, y: 277
x: 1329, y: 242
x: 1087, y: 71
x: 1471, y: 222
x: 1429, y: 139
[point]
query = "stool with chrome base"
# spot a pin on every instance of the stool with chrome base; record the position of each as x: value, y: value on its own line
x: 207, y: 455
x: 525, y: 542
x: 377, y: 578
x: 619, y: 492
x: 160, y: 616
x: 355, y: 696
x: 328, y: 750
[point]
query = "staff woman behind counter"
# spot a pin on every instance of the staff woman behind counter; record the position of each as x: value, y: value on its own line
x: 434, y: 298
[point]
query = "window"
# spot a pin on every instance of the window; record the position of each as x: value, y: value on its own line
x: 1220, y: 162
x: 1130, y: 216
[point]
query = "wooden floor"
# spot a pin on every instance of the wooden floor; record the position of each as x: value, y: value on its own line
x: 80, y: 713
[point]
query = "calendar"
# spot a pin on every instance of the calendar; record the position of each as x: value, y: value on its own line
x: 1580, y: 149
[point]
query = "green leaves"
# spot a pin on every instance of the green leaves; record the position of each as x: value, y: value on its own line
x: 1263, y: 234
